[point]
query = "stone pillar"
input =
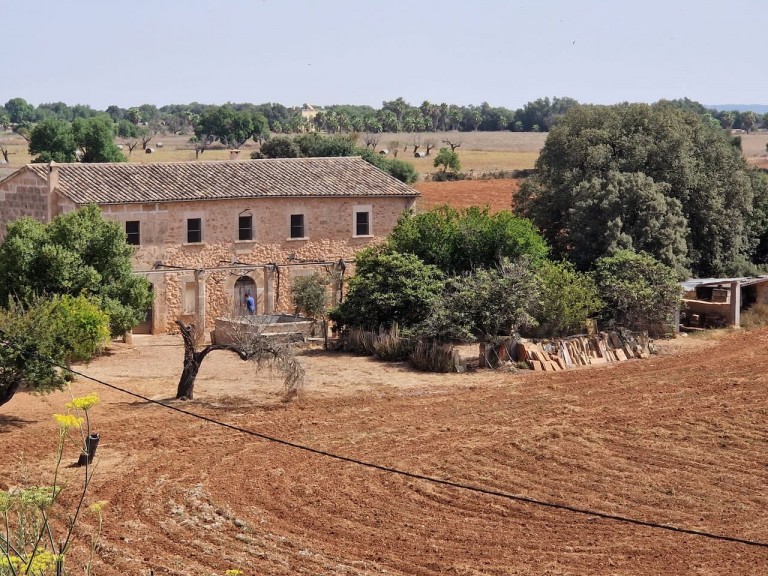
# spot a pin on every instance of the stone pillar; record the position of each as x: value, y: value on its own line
x: 200, y: 278
x: 269, y: 290
x: 735, y: 315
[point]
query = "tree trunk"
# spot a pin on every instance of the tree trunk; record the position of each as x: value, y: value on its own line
x: 186, y: 386
x: 7, y: 392
x: 193, y: 360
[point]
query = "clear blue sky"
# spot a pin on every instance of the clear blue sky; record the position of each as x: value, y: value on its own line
x: 103, y: 52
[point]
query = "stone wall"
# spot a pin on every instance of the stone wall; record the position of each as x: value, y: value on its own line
x: 23, y: 194
x: 272, y: 259
x: 328, y: 222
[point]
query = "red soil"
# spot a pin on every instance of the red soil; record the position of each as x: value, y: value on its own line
x: 678, y: 439
x: 497, y: 194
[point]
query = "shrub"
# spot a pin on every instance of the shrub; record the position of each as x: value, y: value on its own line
x: 433, y: 356
x: 485, y: 304
x: 568, y: 298
x: 640, y: 292
x: 388, y: 287
x: 391, y: 346
x: 359, y: 341
x: 388, y: 345
x: 459, y: 241
x: 755, y: 317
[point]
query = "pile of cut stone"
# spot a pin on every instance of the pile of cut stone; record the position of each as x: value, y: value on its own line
x: 562, y: 353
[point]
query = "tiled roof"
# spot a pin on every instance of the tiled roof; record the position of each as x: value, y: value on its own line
x: 123, y: 183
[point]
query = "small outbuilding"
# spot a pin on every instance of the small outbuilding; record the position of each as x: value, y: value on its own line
x: 718, y: 302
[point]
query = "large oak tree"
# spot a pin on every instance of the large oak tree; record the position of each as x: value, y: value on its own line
x: 647, y: 177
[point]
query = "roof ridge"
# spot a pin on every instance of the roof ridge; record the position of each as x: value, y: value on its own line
x: 194, y: 162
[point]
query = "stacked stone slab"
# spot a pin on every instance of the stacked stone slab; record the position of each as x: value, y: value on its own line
x: 585, y: 350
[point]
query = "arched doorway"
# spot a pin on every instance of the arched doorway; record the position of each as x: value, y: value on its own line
x: 244, y: 285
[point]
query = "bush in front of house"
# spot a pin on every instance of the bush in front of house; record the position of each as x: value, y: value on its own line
x: 639, y: 292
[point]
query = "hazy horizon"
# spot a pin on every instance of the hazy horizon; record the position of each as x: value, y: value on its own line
x: 363, y: 53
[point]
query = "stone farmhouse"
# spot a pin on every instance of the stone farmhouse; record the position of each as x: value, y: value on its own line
x: 207, y: 233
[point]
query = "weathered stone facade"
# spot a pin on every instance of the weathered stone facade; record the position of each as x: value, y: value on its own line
x: 23, y: 194
x: 205, y: 274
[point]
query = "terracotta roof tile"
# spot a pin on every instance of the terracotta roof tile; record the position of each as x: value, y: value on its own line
x: 123, y: 183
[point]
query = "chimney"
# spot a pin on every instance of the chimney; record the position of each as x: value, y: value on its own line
x: 234, y: 155
x: 53, y: 176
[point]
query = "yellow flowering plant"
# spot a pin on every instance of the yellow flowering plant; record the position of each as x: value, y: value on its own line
x: 31, y: 541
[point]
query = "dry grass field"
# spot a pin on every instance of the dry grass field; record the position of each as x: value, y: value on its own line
x: 679, y: 439
x: 479, y: 151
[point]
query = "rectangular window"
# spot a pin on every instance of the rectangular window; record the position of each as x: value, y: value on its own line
x: 245, y: 227
x: 132, y: 231
x: 297, y: 226
x: 194, y: 230
x: 362, y: 223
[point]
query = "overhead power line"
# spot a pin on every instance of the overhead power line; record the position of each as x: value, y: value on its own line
x: 407, y: 474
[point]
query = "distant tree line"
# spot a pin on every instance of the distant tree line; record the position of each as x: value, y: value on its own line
x: 394, y: 116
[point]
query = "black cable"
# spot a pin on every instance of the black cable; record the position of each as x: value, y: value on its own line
x: 469, y: 487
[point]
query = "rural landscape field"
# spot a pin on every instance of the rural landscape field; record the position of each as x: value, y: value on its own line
x: 678, y: 440
x: 652, y: 466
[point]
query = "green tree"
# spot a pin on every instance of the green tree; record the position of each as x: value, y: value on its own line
x: 231, y: 127
x: 627, y: 211
x: 280, y: 147
x: 486, y: 304
x: 748, y: 120
x: 314, y: 145
x: 568, y: 298
x: 310, y: 297
x: 720, y: 197
x: 19, y: 110
x: 458, y: 241
x: 387, y: 288
x: 727, y: 119
x: 78, y: 253
x: 62, y: 329
x: 447, y: 159
x: 640, y: 292
x: 52, y: 139
x: 95, y: 137
x: 400, y: 169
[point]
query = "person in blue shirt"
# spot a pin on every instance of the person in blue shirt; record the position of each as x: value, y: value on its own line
x: 250, y: 304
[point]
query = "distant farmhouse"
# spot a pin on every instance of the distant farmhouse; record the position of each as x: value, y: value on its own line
x: 208, y: 232
x: 308, y: 112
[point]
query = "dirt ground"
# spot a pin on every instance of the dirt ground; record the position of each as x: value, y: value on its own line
x: 679, y: 439
x: 496, y: 194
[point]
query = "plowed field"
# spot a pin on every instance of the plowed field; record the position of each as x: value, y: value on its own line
x: 680, y: 439
x: 496, y: 194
